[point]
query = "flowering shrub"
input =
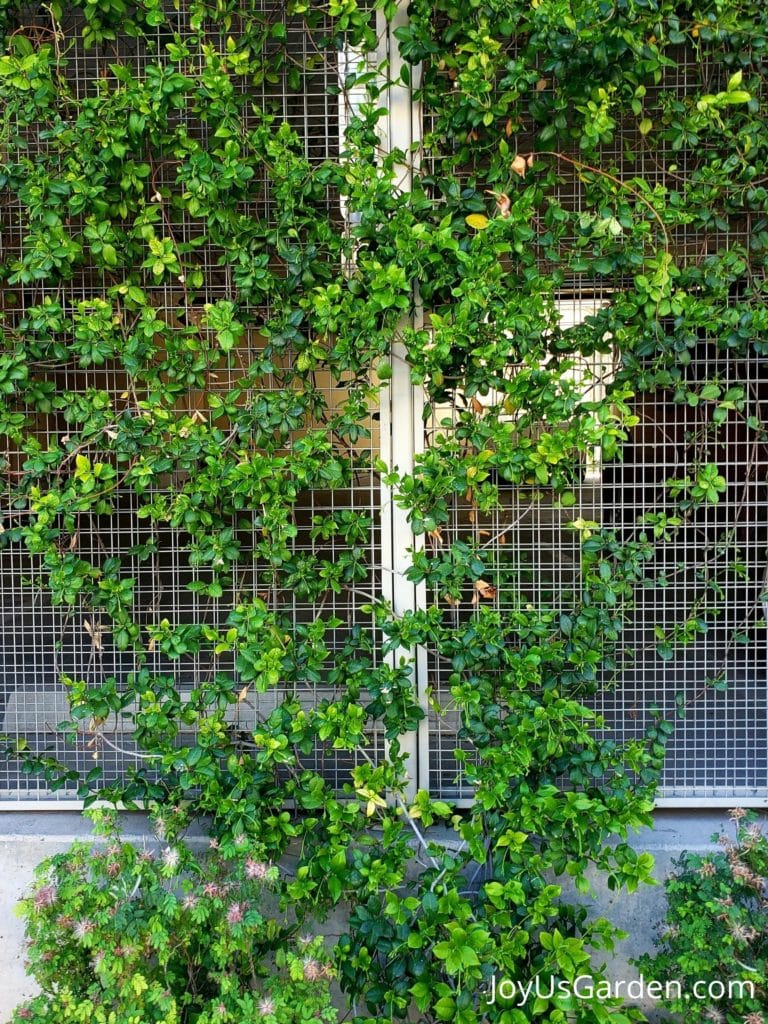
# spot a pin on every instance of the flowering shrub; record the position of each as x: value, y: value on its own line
x: 164, y: 935
x: 717, y: 929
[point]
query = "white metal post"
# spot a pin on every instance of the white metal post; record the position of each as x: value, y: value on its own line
x: 402, y: 435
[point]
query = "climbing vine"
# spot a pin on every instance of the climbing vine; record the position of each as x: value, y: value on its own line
x: 203, y: 297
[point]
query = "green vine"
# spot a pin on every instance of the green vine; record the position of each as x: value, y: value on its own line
x: 200, y: 304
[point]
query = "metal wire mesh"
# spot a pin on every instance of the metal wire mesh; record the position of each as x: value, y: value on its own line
x: 40, y: 642
x: 719, y: 748
x: 706, y: 670
x: 695, y: 645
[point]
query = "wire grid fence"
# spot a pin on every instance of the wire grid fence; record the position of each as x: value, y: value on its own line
x: 719, y: 748
x: 705, y: 670
x: 39, y: 642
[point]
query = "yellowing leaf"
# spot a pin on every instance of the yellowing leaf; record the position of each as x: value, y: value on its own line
x: 373, y: 801
x: 478, y: 221
x: 139, y: 983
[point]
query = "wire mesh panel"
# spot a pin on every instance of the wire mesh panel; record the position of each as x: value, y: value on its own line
x: 697, y: 640
x: 530, y: 549
x: 694, y: 645
x: 51, y: 645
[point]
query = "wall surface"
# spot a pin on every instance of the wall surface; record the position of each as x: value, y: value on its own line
x: 27, y: 838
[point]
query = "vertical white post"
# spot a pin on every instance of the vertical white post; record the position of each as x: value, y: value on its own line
x: 402, y: 434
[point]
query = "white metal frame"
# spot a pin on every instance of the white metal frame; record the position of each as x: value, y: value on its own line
x: 402, y: 436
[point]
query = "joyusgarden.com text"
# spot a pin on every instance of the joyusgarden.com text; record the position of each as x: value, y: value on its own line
x: 520, y: 993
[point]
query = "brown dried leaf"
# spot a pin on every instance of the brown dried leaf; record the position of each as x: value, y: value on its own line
x: 503, y: 204
x: 485, y: 590
x: 242, y: 695
x: 519, y: 165
x: 452, y: 601
x: 542, y: 84
x: 96, y: 632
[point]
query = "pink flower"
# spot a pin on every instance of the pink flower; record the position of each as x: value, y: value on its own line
x: 266, y: 1007
x: 736, y: 813
x: 213, y: 844
x: 82, y: 927
x: 235, y: 913
x: 211, y: 889
x: 256, y: 869
x: 171, y: 858
x: 189, y: 902
x: 741, y: 933
x: 45, y: 897
x: 113, y: 868
x: 313, y: 969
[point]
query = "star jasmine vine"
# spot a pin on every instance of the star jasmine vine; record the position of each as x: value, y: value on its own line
x: 199, y: 321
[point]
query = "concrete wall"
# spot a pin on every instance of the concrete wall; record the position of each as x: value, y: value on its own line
x: 27, y: 838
